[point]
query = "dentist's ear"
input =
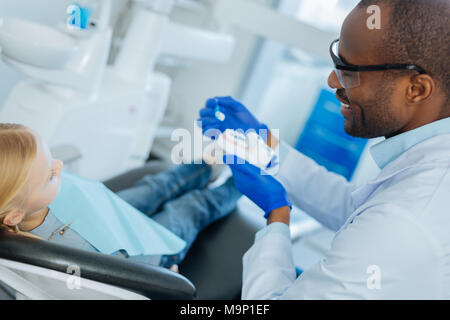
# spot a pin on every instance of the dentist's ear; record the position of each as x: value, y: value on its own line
x: 13, y: 218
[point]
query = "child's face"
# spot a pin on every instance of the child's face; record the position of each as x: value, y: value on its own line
x: 44, y: 182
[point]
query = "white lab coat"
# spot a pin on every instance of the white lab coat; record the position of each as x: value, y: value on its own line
x: 393, y: 234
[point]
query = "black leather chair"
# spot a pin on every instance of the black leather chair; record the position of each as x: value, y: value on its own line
x: 212, y: 269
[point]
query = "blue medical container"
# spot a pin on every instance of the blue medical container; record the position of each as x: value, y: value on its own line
x: 325, y: 140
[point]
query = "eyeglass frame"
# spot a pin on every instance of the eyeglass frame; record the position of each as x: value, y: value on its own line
x: 341, y: 65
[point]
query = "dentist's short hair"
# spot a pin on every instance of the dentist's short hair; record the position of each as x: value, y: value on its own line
x: 418, y: 33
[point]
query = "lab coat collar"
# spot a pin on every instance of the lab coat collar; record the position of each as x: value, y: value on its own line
x: 387, y: 151
x: 431, y: 153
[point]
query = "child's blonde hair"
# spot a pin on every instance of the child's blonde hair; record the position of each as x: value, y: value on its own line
x: 18, y: 151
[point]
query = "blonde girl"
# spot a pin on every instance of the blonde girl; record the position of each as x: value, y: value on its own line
x: 29, y: 178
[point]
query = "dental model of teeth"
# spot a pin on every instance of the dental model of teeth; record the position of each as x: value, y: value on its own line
x: 250, y: 147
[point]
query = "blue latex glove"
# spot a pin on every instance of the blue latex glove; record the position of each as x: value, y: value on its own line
x: 236, y: 116
x: 264, y: 190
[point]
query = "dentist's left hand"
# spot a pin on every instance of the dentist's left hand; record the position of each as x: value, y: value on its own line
x: 264, y: 190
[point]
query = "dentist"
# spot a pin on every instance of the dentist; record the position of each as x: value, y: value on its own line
x: 393, y: 234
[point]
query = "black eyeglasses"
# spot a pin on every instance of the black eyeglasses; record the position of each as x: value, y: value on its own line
x: 348, y: 74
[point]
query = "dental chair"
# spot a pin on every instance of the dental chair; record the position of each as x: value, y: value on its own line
x: 212, y: 270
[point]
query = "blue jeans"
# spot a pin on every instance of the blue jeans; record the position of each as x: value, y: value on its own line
x: 178, y: 200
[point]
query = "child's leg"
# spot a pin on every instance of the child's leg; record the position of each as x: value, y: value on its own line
x: 188, y: 215
x: 152, y: 192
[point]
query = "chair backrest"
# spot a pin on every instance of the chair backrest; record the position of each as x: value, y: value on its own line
x: 36, y: 283
x: 42, y: 270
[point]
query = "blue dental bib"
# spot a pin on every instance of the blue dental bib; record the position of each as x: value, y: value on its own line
x: 109, y: 223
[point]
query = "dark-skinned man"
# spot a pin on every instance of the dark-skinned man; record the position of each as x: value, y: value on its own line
x: 393, y: 234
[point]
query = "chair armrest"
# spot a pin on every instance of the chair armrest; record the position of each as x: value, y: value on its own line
x: 153, y: 282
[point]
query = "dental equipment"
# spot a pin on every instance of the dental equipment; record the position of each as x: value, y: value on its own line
x: 76, y: 99
x: 111, y: 112
x: 249, y: 147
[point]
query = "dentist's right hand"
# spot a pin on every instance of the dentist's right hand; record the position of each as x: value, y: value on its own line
x: 236, y: 114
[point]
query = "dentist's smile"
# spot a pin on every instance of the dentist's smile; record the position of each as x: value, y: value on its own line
x: 346, y: 110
